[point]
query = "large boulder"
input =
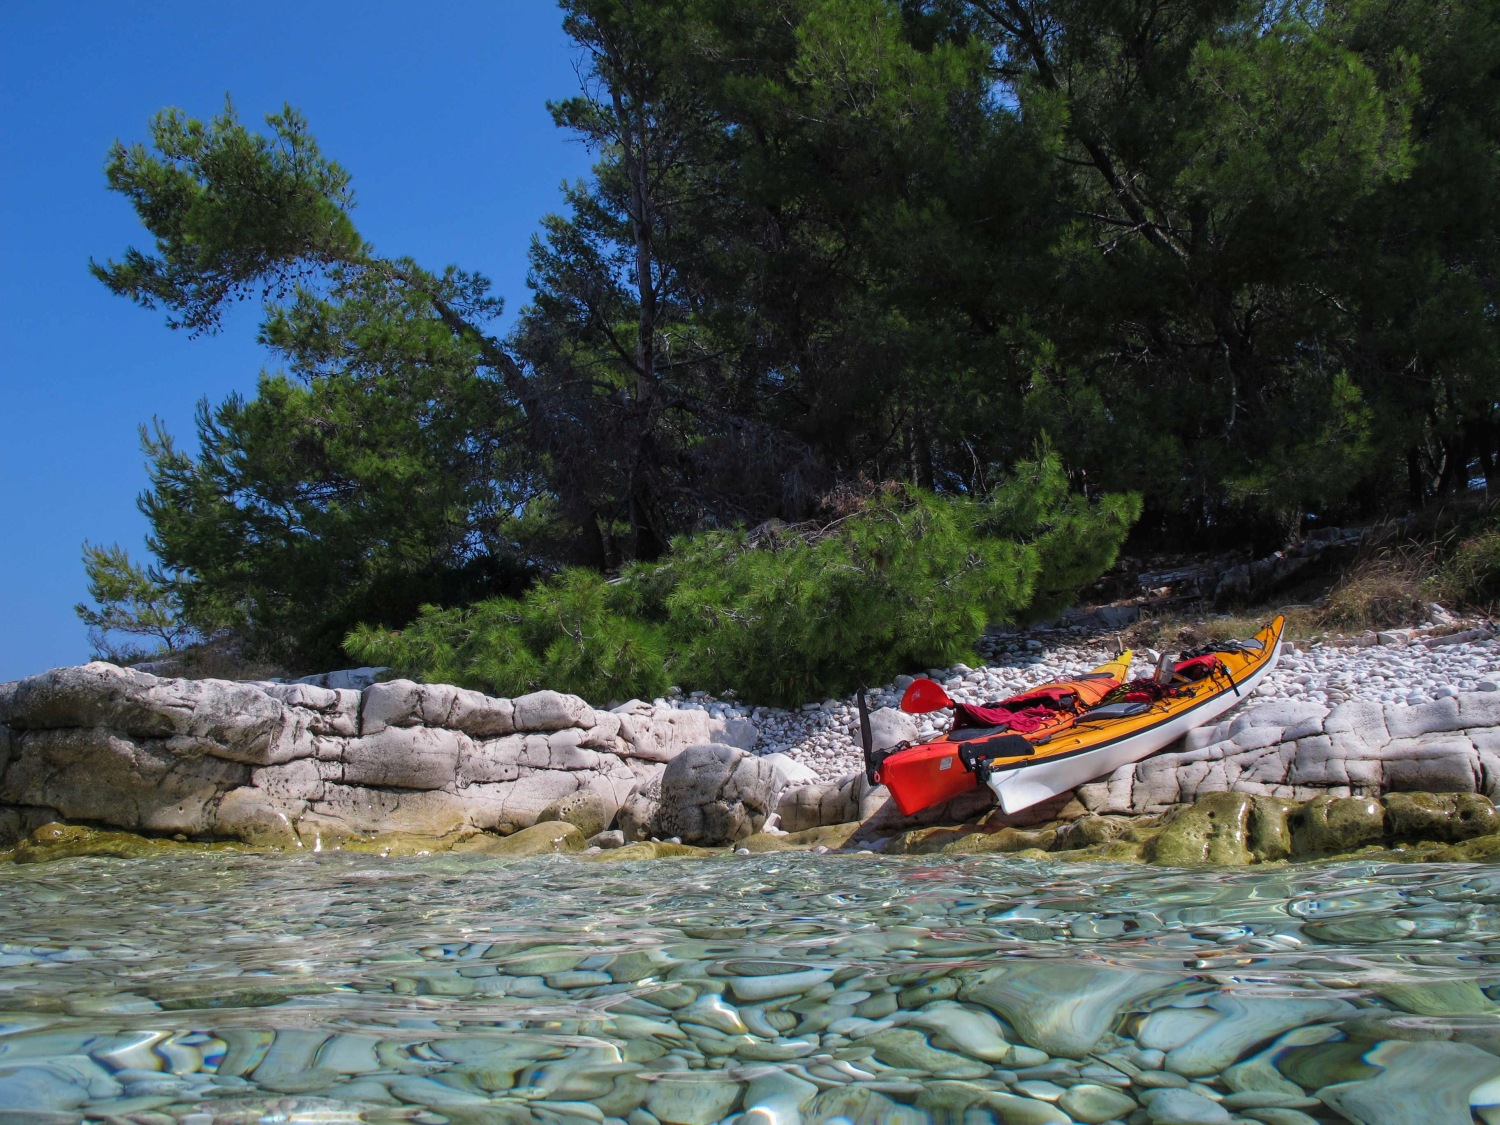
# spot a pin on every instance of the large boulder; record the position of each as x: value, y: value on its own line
x: 891, y: 727
x: 237, y: 722
x: 708, y: 795
x: 98, y: 775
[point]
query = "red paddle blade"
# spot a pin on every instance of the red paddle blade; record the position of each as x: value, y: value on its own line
x: 924, y: 695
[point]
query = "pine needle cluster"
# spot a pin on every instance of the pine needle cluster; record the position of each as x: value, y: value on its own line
x: 908, y: 580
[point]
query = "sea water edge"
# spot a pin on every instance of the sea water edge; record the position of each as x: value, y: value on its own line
x: 217, y: 988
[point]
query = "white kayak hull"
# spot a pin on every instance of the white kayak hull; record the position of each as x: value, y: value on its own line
x: 1032, y: 783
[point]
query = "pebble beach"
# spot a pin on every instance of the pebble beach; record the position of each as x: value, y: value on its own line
x: 824, y: 736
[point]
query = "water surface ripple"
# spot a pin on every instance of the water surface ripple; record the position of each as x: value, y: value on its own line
x: 221, y: 988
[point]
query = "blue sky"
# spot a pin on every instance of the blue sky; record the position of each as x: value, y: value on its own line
x: 438, y: 111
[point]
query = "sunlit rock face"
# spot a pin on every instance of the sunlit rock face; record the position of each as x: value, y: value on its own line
x: 1302, y: 750
x: 299, y: 764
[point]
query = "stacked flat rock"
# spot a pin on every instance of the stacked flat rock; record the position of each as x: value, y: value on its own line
x: 296, y: 764
x: 1302, y: 750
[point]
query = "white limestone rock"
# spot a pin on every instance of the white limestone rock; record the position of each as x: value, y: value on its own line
x: 490, y: 760
x: 404, y: 758
x: 890, y: 726
x: 791, y: 771
x: 551, y: 710
x: 95, y: 774
x: 709, y: 794
x: 237, y: 722
x: 328, y: 711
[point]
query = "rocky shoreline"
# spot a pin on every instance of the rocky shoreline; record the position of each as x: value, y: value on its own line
x: 1310, y: 767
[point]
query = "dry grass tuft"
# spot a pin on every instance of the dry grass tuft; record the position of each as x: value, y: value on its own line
x: 1174, y: 633
x: 1383, y: 590
x: 1469, y: 577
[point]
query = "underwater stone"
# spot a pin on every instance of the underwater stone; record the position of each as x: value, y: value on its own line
x: 776, y: 984
x: 1439, y: 998
x: 1171, y: 1027
x: 858, y: 1103
x: 950, y: 1096
x: 32, y: 1088
x: 1065, y: 1009
x: 902, y: 1048
x: 1245, y: 1021
x: 1183, y: 1107
x: 1426, y: 1082
x: 1014, y: 1110
x: 968, y: 1030
x: 1277, y: 1115
x: 780, y: 1094
x: 692, y: 1098
x: 1094, y: 1105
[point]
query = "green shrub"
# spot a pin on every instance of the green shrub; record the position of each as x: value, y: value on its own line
x: 572, y: 633
x: 908, y: 580
x: 1470, y: 576
x: 904, y: 583
x: 1380, y: 591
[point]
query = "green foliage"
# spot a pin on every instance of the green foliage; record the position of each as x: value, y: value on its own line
x: 1234, y: 256
x: 230, y: 210
x: 311, y: 508
x: 574, y: 632
x: 1470, y: 575
x: 908, y: 580
x: 130, y: 600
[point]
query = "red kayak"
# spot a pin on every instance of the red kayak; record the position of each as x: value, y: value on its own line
x: 925, y: 775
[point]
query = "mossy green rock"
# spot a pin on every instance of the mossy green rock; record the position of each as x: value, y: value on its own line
x: 1006, y: 840
x: 648, y: 849
x: 765, y: 842
x: 1328, y: 826
x: 550, y: 837
x: 411, y: 843
x: 71, y: 841
x: 1224, y: 829
x: 1448, y: 818
x: 928, y: 841
x: 1090, y: 831
x: 830, y: 836
x: 584, y: 809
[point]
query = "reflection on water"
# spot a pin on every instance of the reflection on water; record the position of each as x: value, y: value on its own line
x: 781, y: 988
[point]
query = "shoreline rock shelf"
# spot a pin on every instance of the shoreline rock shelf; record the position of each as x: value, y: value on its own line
x: 300, y: 765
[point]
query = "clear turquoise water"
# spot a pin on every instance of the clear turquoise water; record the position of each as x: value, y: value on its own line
x: 780, y: 988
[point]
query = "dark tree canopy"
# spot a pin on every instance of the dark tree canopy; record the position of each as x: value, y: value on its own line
x: 1237, y: 256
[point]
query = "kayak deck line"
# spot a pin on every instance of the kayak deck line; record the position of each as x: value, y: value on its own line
x: 1076, y: 746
